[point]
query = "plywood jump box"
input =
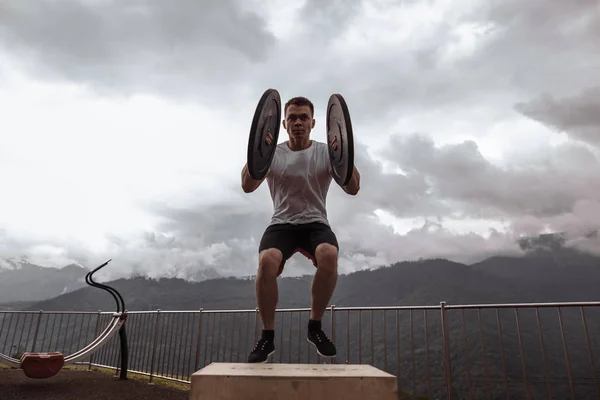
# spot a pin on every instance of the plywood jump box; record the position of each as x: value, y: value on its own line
x: 240, y: 381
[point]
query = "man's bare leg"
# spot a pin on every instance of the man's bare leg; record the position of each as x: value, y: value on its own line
x: 324, y: 281
x: 267, y: 293
x: 266, y: 296
x: 322, y: 289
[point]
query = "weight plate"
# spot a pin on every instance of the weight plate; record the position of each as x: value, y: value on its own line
x: 339, y: 126
x: 267, y: 119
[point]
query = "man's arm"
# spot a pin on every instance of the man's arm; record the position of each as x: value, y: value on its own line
x: 353, y: 186
x: 249, y: 185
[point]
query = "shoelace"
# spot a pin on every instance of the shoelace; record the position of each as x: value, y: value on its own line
x: 321, y: 336
x: 261, y: 343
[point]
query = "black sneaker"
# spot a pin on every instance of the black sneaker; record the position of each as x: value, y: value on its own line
x: 262, y: 351
x: 325, y: 347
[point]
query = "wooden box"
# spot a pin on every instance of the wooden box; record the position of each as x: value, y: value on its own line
x: 241, y: 381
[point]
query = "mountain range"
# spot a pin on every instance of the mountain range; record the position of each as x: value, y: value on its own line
x: 26, y: 282
x: 548, y: 272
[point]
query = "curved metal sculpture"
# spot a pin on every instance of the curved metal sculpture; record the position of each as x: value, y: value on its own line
x: 46, y: 365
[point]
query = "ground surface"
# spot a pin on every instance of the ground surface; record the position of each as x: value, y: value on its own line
x: 82, y: 385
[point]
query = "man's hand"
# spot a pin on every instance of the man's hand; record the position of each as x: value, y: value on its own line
x: 334, y: 143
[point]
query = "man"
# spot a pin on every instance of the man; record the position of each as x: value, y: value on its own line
x: 298, y: 179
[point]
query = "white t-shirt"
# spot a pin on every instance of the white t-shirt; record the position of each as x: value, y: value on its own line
x: 299, y: 182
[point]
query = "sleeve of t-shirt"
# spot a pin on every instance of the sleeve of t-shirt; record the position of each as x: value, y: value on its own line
x: 273, y: 165
x: 326, y: 163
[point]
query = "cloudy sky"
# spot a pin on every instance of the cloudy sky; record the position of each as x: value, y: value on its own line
x: 124, y: 126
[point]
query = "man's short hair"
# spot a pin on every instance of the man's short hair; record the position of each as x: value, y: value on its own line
x: 299, y: 101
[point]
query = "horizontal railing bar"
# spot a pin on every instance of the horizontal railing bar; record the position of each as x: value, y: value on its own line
x: 227, y: 311
x: 152, y: 312
x: 285, y: 310
x: 525, y: 305
x: 337, y: 308
x: 385, y: 308
x: 56, y: 312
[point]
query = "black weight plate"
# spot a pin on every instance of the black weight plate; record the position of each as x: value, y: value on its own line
x: 267, y: 118
x: 339, y: 125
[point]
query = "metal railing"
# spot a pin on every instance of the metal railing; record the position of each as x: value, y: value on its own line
x: 488, y: 351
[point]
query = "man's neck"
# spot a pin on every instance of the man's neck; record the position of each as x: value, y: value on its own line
x: 299, y: 145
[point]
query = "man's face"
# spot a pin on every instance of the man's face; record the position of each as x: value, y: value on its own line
x: 298, y: 121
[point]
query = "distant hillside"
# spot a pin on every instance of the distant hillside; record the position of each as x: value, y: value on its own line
x: 20, y: 305
x: 547, y: 262
x: 27, y: 282
x: 517, y: 279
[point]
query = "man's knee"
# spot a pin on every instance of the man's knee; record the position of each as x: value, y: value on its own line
x: 269, y: 263
x: 327, y: 256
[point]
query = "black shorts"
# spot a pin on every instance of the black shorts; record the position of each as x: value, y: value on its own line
x: 293, y: 238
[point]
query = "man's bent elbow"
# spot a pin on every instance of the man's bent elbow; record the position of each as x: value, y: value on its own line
x: 353, y: 187
x: 352, y: 191
x: 248, y: 189
x: 249, y: 185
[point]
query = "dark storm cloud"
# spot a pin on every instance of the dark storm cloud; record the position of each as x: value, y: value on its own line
x: 523, y: 49
x: 541, y: 45
x: 327, y: 20
x: 545, y: 185
x: 223, y: 51
x: 182, y: 48
x: 577, y: 115
x: 403, y: 195
x: 238, y: 217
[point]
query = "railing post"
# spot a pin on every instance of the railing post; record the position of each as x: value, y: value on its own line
x: 199, y: 342
x: 333, y: 328
x: 37, y: 328
x: 446, y: 346
x: 256, y: 318
x: 154, y: 339
x: 124, y: 350
x: 93, y: 355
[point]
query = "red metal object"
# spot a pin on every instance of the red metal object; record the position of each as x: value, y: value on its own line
x: 42, y: 365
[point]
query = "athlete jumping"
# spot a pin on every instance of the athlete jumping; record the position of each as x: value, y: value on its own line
x: 298, y: 178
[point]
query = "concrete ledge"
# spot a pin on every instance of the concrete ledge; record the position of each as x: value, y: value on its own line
x: 241, y: 381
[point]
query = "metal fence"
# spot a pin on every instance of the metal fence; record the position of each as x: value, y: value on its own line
x: 488, y: 351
